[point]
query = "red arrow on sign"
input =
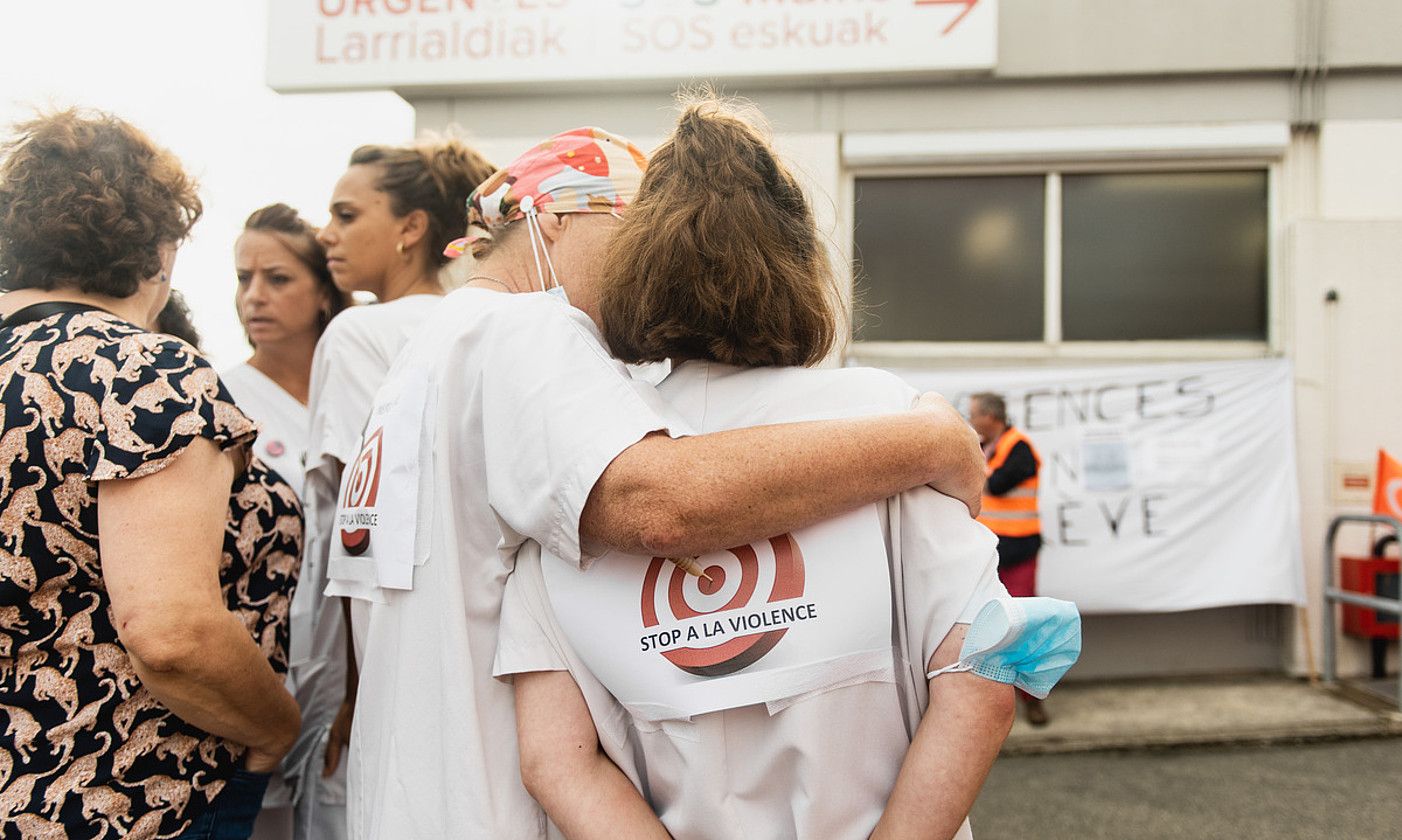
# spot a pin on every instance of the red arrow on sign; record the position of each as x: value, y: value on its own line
x: 967, y: 4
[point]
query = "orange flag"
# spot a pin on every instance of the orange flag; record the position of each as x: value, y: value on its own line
x: 1387, y: 492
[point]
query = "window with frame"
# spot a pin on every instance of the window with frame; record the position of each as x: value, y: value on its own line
x: 1063, y: 256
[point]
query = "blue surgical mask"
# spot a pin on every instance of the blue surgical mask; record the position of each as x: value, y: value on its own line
x: 558, y: 292
x: 1026, y: 642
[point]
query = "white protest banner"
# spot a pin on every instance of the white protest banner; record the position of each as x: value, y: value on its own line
x: 772, y: 620
x: 1163, y: 487
x: 347, y: 44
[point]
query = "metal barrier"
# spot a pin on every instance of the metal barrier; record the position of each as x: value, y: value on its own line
x: 1334, y: 595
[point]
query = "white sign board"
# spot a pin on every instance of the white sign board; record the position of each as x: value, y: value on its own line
x: 1163, y: 487
x: 348, y: 44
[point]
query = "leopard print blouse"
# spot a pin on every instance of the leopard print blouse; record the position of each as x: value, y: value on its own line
x: 86, y: 751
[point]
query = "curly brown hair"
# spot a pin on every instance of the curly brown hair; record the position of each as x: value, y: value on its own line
x: 719, y: 257
x: 435, y: 176
x: 299, y: 236
x: 86, y: 201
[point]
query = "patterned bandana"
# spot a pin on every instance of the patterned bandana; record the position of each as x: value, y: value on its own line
x: 585, y: 170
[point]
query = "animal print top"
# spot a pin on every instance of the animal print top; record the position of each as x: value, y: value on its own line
x: 86, y: 751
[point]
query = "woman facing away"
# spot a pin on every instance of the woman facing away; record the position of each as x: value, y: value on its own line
x: 778, y: 694
x: 147, y: 558
x: 285, y: 299
x: 392, y: 214
x: 504, y: 420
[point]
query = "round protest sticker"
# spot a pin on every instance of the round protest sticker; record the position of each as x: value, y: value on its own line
x: 737, y: 585
x: 362, y: 492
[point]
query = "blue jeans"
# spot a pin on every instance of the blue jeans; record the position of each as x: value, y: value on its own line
x: 230, y: 816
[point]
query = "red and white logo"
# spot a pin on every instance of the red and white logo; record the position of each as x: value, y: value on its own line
x: 737, y: 583
x: 362, y: 490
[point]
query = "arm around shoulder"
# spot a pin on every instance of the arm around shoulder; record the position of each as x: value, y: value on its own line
x: 692, y: 495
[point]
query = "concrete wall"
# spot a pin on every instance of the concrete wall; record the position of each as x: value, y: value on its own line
x: 1131, y: 37
x: 941, y: 106
x: 1109, y: 37
x: 1360, y: 169
x: 1348, y: 368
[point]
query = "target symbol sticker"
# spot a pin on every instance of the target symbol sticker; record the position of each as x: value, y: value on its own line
x: 362, y: 490
x: 737, y: 580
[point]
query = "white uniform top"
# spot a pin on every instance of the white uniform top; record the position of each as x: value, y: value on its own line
x: 281, y: 443
x: 352, y: 359
x: 824, y: 764
x: 282, y: 420
x: 529, y: 411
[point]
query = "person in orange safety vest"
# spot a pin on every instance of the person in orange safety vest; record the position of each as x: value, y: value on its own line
x: 1010, y: 507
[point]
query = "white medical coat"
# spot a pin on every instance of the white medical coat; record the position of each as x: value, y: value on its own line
x: 529, y: 409
x: 824, y: 764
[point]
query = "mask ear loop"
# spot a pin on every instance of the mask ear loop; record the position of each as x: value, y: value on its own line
x: 956, y: 668
x: 528, y: 207
x: 535, y: 233
x: 555, y: 281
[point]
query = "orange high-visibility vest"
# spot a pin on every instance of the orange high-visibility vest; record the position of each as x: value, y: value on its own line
x: 1013, y: 514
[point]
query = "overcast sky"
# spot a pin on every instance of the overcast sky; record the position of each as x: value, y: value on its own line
x: 190, y: 73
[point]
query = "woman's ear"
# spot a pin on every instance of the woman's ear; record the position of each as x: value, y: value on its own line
x: 413, y: 229
x: 166, y: 254
x: 552, y: 225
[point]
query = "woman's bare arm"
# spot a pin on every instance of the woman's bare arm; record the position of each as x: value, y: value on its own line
x: 692, y: 495
x: 160, y: 540
x: 563, y: 767
x: 338, y: 741
x: 954, y: 748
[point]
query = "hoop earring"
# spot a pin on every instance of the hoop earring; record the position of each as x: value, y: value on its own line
x: 399, y: 248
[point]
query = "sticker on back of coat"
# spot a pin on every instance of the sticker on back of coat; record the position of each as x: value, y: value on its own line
x: 758, y: 623
x: 377, y: 511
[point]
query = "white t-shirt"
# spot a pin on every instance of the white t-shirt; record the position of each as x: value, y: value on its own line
x: 527, y: 410
x: 823, y: 764
x: 282, y: 420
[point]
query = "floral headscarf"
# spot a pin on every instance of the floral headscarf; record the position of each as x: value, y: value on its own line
x: 584, y: 170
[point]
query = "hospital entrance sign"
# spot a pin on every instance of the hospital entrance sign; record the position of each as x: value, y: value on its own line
x: 464, y: 44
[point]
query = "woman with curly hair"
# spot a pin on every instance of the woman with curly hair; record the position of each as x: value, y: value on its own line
x: 147, y: 559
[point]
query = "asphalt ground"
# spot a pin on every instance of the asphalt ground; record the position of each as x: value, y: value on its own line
x: 1342, y: 789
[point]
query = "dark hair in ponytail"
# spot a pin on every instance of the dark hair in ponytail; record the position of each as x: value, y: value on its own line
x: 436, y: 177
x: 300, y: 238
x: 719, y: 256
x: 175, y: 319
